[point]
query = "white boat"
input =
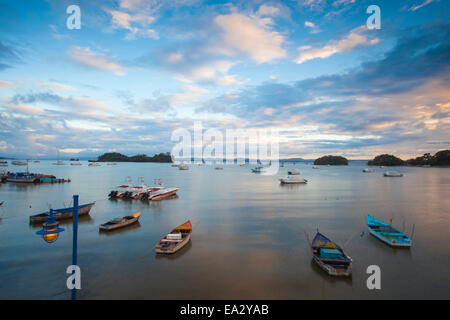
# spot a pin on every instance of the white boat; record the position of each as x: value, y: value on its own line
x: 315, y: 167
x: 367, y: 170
x: 294, y: 172
x: 293, y: 180
x: 19, y: 163
x: 111, y: 164
x: 393, y: 174
x: 58, y: 163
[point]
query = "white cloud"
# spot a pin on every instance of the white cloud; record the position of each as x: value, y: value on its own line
x: 136, y: 23
x: 355, y: 38
x: 250, y: 35
x: 54, y: 86
x: 266, y: 10
x: 312, y: 26
x: 417, y: 7
x: 86, y: 57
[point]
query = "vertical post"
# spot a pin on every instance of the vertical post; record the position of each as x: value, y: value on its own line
x: 75, y: 239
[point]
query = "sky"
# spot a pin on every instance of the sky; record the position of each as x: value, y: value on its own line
x: 138, y: 70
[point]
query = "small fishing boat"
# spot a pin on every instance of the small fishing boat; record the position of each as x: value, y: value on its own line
x: 387, y: 233
x: 94, y: 164
x: 3, y: 162
x: 315, y: 167
x: 64, y: 213
x: 111, y: 164
x: 175, y: 240
x: 258, y: 169
x: 19, y: 163
x: 293, y: 180
x: 393, y: 174
x: 330, y: 257
x: 1, y: 203
x: 294, y: 172
x: 58, y: 163
x: 368, y: 170
x: 76, y: 164
x: 174, y: 165
x: 183, y: 167
x: 121, y: 222
x: 219, y: 168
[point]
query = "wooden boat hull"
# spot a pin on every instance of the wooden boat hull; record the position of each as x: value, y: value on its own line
x: 335, y: 272
x: 176, y: 249
x: 61, y: 214
x: 330, y: 257
x: 387, y: 241
x: 393, y: 237
x: 287, y: 181
x: 164, y: 247
x: 133, y: 219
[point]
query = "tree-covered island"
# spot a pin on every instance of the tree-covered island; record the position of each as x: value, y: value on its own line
x: 331, y: 160
x: 118, y: 157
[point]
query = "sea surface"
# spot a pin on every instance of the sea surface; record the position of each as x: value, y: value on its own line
x: 249, y: 236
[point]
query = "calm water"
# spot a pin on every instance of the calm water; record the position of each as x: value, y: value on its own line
x: 248, y: 240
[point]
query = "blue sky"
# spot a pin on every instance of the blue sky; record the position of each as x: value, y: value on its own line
x: 137, y: 70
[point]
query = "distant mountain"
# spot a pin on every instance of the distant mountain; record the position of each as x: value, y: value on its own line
x: 118, y: 157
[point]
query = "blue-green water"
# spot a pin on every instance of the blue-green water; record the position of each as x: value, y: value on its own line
x: 248, y: 240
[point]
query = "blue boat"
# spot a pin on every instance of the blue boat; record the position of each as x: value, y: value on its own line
x: 22, y: 177
x: 258, y: 169
x: 387, y: 233
x: 64, y: 213
x: 330, y: 257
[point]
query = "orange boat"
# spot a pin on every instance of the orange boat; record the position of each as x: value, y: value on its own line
x: 176, y: 239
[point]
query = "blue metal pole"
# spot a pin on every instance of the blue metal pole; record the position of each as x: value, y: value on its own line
x: 75, y: 239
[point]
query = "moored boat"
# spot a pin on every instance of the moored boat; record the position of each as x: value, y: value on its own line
x: 121, y: 222
x: 19, y: 163
x: 387, y: 233
x: 76, y: 164
x: 294, y: 172
x: 393, y: 174
x: 330, y: 257
x: 22, y: 177
x: 94, y: 164
x: 293, y: 180
x: 175, y: 240
x: 368, y: 170
x: 183, y: 167
x: 64, y: 213
x: 258, y: 169
x: 58, y: 163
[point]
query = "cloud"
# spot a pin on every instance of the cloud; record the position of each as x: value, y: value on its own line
x: 5, y: 84
x: 250, y: 35
x: 266, y: 10
x: 354, y: 39
x: 54, y: 86
x: 312, y: 26
x: 400, y: 98
x: 99, y: 61
x: 137, y: 24
x: 417, y: 7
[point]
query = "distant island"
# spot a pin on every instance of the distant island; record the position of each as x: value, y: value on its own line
x: 441, y: 158
x: 386, y: 160
x: 118, y: 157
x: 331, y: 160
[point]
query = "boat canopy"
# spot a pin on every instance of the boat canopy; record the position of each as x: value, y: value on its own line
x: 331, y: 253
x: 185, y: 226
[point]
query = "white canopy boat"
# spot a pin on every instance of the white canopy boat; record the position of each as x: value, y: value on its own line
x: 293, y: 180
x: 393, y: 174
